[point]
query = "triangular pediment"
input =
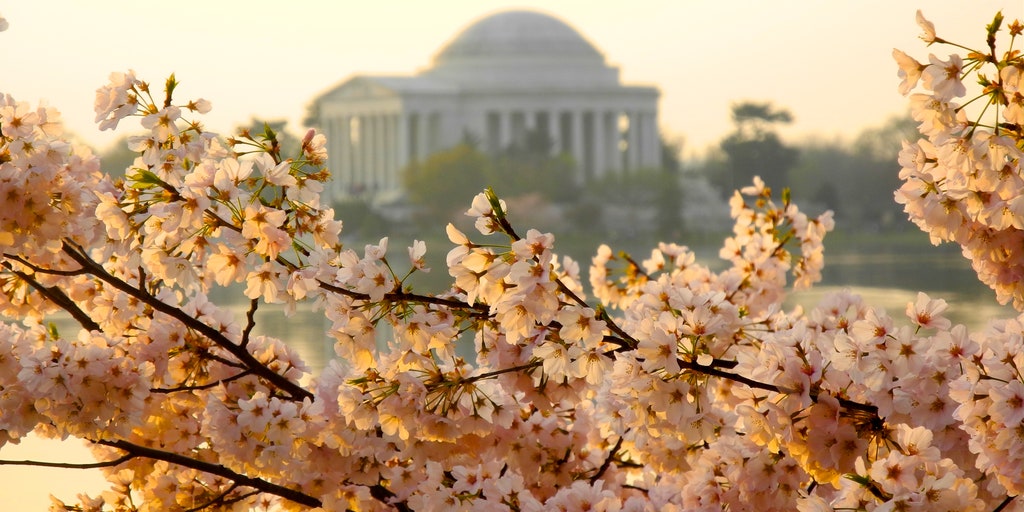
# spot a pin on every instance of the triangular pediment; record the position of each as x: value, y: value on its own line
x: 365, y: 87
x: 361, y: 87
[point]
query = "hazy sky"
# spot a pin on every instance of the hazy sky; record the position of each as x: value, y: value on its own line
x: 828, y: 62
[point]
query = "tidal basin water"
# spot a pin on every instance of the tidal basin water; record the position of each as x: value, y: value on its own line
x: 889, y: 279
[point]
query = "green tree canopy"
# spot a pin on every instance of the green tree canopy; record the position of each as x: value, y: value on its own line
x: 446, y: 181
x: 755, y: 149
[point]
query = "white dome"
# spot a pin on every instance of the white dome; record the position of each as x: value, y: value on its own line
x: 522, y: 48
x: 517, y: 34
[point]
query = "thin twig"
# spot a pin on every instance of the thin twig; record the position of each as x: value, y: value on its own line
x: 200, y: 387
x: 607, y: 461
x: 528, y: 366
x: 478, y: 310
x: 68, y: 465
x: 40, y: 270
x: 221, y: 499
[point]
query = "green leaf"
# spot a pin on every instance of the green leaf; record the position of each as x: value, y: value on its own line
x: 147, y: 177
x: 862, y: 480
x: 495, y: 202
x: 169, y: 87
x: 144, y: 179
x: 993, y: 27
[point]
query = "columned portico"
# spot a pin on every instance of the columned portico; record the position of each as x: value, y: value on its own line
x: 504, y: 77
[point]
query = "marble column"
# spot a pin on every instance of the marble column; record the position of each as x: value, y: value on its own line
x: 506, y: 130
x: 434, y: 132
x: 371, y: 152
x: 576, y: 120
x: 391, y: 150
x: 366, y: 150
x: 402, y: 141
x: 341, y: 159
x: 600, y: 149
x: 635, y: 141
x: 652, y: 155
x: 332, y: 131
x: 358, y: 141
x: 423, y: 136
x: 616, y: 149
x: 381, y: 170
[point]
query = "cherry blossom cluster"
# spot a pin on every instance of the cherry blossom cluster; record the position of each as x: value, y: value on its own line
x: 962, y: 179
x: 666, y: 384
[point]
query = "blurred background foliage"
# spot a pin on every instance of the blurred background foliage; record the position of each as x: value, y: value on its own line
x: 683, y: 201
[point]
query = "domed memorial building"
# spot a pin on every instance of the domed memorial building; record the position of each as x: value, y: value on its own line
x: 504, y: 76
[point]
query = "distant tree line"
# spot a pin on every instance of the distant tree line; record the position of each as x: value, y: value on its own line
x: 854, y: 179
x: 546, y: 187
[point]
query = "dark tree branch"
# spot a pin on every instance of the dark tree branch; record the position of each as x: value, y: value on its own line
x: 68, y: 465
x: 200, y: 387
x: 495, y: 373
x: 56, y: 296
x: 384, y: 495
x: 477, y: 310
x: 250, y: 321
x: 293, y: 389
x: 607, y: 461
x: 259, y: 484
x: 222, y: 499
x: 713, y: 371
x: 1006, y: 503
x: 41, y: 270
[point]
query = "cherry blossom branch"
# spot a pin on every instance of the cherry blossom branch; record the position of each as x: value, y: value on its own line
x: 624, y: 340
x: 528, y: 366
x: 135, y: 450
x: 608, y: 460
x: 296, y: 391
x: 40, y: 270
x: 713, y: 371
x: 222, y: 499
x: 478, y: 310
x: 1005, y: 503
x: 633, y: 264
x: 250, y: 321
x: 200, y: 387
x: 56, y: 296
x: 384, y: 495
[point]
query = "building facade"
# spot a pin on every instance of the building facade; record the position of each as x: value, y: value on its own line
x: 504, y: 76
